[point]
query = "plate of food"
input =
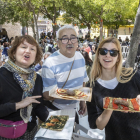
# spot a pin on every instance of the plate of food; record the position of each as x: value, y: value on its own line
x: 73, y: 94
x: 55, y: 123
x: 82, y: 94
x: 121, y: 104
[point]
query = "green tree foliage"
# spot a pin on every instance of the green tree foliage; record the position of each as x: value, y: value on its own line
x: 24, y: 11
x: 12, y: 12
x: 51, y: 10
x: 84, y: 13
x: 79, y: 13
x: 120, y: 13
x: 111, y: 13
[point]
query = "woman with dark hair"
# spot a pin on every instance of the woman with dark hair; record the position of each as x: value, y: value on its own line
x: 87, y: 58
x: 88, y: 63
x: 21, y: 91
x: 49, y: 49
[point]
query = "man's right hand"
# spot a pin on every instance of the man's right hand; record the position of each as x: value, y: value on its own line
x: 47, y: 97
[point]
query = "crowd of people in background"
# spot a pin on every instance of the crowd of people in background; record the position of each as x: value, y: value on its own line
x: 89, y: 62
x: 49, y: 45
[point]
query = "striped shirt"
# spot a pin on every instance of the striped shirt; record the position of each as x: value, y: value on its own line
x: 55, y: 71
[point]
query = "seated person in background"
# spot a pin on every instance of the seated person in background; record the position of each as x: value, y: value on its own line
x: 39, y: 65
x: 120, y: 40
x: 88, y: 50
x: 5, y: 50
x: 43, y: 45
x: 124, y: 43
x: 127, y: 40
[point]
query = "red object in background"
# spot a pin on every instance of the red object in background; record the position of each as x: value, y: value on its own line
x: 107, y: 101
x: 101, y: 20
x: 87, y: 49
x: 96, y: 22
x: 55, y: 23
x: 74, y: 24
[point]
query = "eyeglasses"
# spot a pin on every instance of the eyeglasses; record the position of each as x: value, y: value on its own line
x: 104, y: 51
x: 66, y: 40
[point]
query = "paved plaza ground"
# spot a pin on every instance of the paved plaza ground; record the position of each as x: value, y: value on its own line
x: 95, y: 133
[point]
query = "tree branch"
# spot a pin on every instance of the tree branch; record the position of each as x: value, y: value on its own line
x: 45, y: 12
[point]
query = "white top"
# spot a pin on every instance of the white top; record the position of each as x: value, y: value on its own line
x: 110, y: 84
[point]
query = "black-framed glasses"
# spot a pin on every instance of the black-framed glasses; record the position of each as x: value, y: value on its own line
x: 104, y: 51
x: 66, y: 40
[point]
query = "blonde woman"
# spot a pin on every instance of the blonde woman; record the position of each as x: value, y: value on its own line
x: 109, y: 79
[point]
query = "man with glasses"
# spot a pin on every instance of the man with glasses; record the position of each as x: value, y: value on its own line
x: 57, y: 67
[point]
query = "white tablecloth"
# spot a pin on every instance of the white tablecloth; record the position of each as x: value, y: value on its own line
x: 65, y: 134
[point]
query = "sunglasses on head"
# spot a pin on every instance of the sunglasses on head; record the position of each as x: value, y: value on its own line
x: 104, y: 51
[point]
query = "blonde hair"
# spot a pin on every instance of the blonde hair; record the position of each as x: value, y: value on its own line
x: 123, y: 75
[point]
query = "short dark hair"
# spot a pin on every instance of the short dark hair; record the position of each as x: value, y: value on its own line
x: 20, y: 39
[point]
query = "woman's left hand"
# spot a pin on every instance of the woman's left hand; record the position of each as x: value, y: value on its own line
x: 138, y: 99
x: 83, y: 108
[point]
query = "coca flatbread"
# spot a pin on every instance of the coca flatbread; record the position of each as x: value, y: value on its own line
x: 72, y: 94
x: 121, y: 104
x: 55, y: 123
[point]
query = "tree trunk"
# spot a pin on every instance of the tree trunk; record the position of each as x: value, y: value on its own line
x: 117, y: 27
x: 89, y: 27
x: 33, y: 29
x: 24, y: 30
x: 135, y: 39
x: 101, y: 30
x: 101, y: 26
x: 54, y: 32
x: 27, y: 30
x: 54, y: 20
x: 36, y: 27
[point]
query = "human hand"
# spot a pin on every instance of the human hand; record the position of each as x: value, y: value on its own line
x: 27, y: 101
x: 83, y: 108
x: 138, y: 99
x: 47, y: 97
